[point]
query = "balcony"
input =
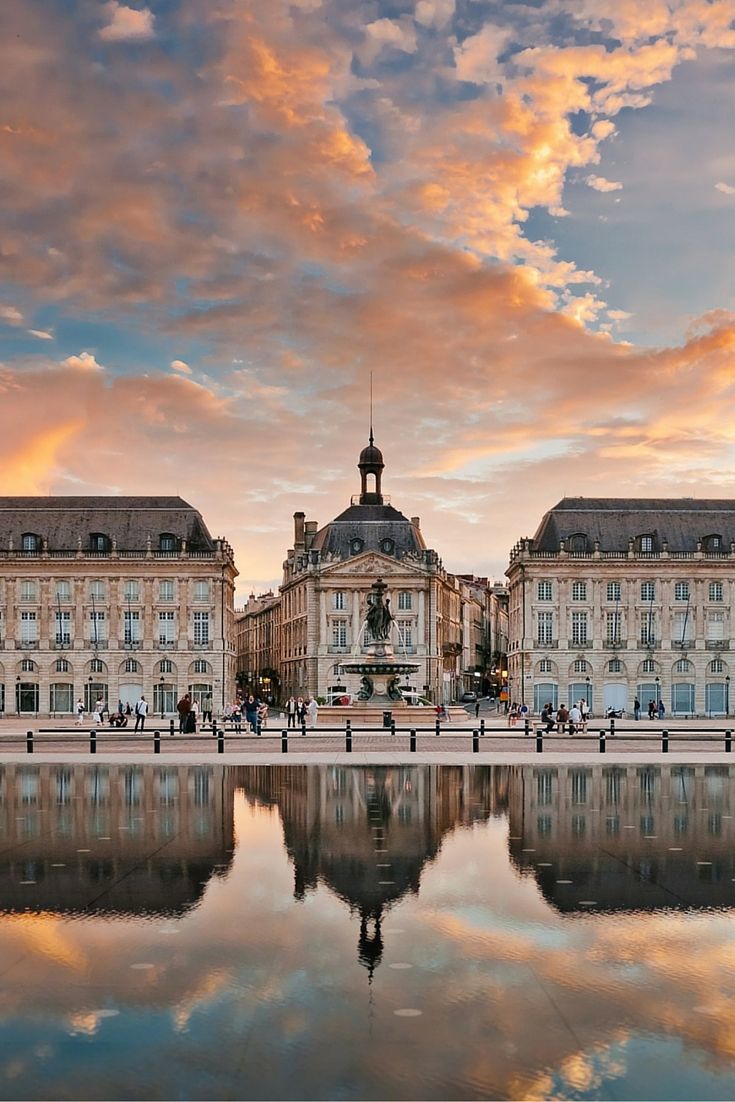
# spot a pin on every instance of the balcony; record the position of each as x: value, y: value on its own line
x: 132, y: 644
x: 167, y: 644
x: 97, y: 644
x: 548, y: 644
x: 717, y: 644
x: 28, y: 644
x: 682, y: 644
x: 62, y: 644
x: 617, y: 644
x: 201, y: 646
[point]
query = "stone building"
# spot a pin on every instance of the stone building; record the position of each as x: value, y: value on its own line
x: 441, y: 621
x: 618, y: 598
x: 112, y: 597
x: 258, y: 627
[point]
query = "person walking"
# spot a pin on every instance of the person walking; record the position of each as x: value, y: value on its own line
x: 79, y: 709
x: 263, y: 714
x: 207, y: 709
x: 141, y: 711
x: 513, y: 715
x: 312, y: 710
x: 291, y: 712
x: 651, y: 709
x: 236, y: 717
x: 636, y: 709
x: 477, y: 708
x: 661, y: 709
x: 183, y: 708
x: 99, y: 707
x: 191, y: 725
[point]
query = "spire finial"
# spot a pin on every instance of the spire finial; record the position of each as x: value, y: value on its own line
x: 371, y: 407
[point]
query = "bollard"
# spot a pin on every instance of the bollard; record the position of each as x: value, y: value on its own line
x: 348, y: 737
x: 392, y: 726
x: 475, y: 742
x: 214, y: 727
x: 526, y: 726
x: 438, y: 726
x: 664, y: 742
x: 29, y: 741
x: 93, y: 742
x: 603, y: 747
x: 221, y: 741
x: 482, y: 728
x: 258, y: 727
x: 303, y: 727
x: 540, y: 740
x: 171, y: 728
x: 284, y: 742
x: 612, y: 726
x: 156, y: 742
x: 412, y: 741
x: 728, y: 742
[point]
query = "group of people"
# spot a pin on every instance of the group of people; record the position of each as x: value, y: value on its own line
x: 299, y: 712
x: 656, y: 709
x: 566, y: 719
x: 516, y: 712
x: 118, y: 718
x: 250, y: 708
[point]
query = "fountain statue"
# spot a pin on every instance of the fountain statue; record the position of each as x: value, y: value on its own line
x: 380, y: 671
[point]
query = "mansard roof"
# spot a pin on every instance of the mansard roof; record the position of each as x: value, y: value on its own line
x: 130, y: 521
x: 377, y: 527
x: 678, y: 522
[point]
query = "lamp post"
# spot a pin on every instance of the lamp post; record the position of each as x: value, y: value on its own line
x: 17, y: 695
x: 658, y: 694
x: 587, y: 697
x: 727, y: 695
x: 160, y: 693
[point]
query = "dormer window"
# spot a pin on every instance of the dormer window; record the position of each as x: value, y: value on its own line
x: 387, y: 546
x: 167, y: 542
x: 712, y: 542
x: 646, y: 544
x: 577, y: 542
x: 30, y: 541
x: 98, y: 541
x: 356, y: 545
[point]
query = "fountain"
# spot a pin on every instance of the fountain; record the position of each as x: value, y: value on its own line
x: 380, y: 671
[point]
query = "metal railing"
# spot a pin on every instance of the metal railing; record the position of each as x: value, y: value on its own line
x: 477, y: 737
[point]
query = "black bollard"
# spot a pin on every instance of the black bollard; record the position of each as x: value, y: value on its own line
x: 438, y: 726
x: 171, y: 728
x: 29, y: 741
x: 540, y: 740
x: 612, y: 726
x: 303, y: 727
x: 284, y: 742
x: 93, y: 742
x: 603, y: 746
x: 156, y: 742
x: 526, y: 726
x: 214, y: 727
x: 412, y: 741
x: 258, y: 727
x: 475, y: 742
x: 728, y: 742
x: 482, y: 728
x: 348, y: 737
x: 221, y: 741
x: 392, y: 725
x: 664, y: 742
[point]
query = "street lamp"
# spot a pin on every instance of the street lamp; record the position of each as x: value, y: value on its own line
x: 658, y: 694
x: 160, y: 693
x: 589, y: 708
x: 17, y: 695
x: 727, y: 695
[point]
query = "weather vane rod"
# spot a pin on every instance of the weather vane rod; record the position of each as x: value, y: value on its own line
x: 371, y: 407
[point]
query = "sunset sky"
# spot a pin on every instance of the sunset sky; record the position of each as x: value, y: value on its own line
x: 219, y: 217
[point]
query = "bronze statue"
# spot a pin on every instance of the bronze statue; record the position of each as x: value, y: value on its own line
x: 379, y: 617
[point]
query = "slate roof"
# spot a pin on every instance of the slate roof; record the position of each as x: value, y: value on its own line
x: 62, y: 521
x: 372, y: 524
x: 680, y: 522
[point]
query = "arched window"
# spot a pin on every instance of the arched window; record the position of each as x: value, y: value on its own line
x: 682, y: 666
x: 717, y: 666
x: 166, y: 665
x: 62, y: 666
x: 577, y: 542
x: 28, y: 665
x: 614, y: 665
x: 131, y: 666
x: 97, y: 665
x: 201, y: 666
x: 649, y: 665
x: 544, y: 665
x: 580, y: 666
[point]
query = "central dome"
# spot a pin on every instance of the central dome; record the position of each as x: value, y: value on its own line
x: 371, y: 456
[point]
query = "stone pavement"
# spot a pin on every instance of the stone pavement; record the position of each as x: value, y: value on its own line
x: 58, y: 740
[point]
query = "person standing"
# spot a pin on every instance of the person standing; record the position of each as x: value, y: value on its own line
x: 291, y: 711
x: 263, y: 714
x: 251, y: 712
x: 651, y: 709
x: 183, y: 708
x: 636, y: 709
x: 80, y: 712
x: 141, y: 711
x: 575, y: 718
x: 301, y: 712
x: 191, y: 725
x: 99, y: 708
x: 236, y: 716
x: 585, y: 710
x: 312, y: 710
x: 207, y: 709
x: 513, y: 715
x: 661, y: 709
x: 477, y: 708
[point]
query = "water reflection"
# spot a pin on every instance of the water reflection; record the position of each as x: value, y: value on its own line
x: 402, y: 932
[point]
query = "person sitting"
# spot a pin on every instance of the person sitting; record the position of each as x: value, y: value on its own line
x: 562, y: 718
x: 547, y: 717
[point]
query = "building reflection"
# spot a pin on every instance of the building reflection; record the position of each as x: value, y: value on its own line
x: 130, y: 840
x: 367, y: 833
x: 626, y: 837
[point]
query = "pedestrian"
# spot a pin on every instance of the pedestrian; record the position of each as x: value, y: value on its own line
x: 99, y: 708
x: 651, y: 709
x: 562, y: 718
x: 236, y: 717
x: 207, y: 709
x: 79, y: 709
x: 183, y: 708
x: 128, y: 709
x: 636, y: 709
x: 547, y: 717
x: 575, y: 719
x: 513, y: 715
x: 120, y: 708
x: 312, y: 709
x: 263, y: 714
x: 661, y: 709
x: 477, y: 708
x: 191, y: 725
x: 141, y: 711
x: 523, y: 713
x: 251, y: 712
x: 301, y: 712
x: 585, y: 711
x: 291, y: 711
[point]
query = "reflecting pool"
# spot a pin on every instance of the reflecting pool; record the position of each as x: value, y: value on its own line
x: 387, y: 932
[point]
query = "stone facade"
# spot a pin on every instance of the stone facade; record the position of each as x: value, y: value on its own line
x: 444, y: 623
x: 615, y: 599
x: 112, y: 597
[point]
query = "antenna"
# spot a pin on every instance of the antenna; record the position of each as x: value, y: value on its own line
x: 371, y: 407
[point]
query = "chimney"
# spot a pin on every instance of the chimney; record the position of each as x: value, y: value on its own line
x: 298, y: 531
x: 310, y: 531
x: 416, y: 521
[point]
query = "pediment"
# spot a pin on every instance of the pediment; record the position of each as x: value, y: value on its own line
x: 371, y: 565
